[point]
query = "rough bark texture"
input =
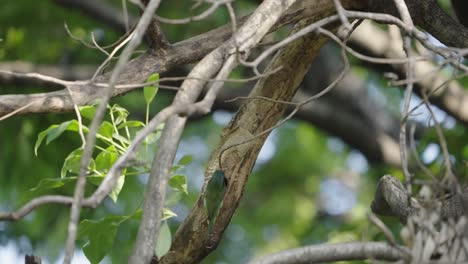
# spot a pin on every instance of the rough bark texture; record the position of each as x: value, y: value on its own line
x: 391, y: 199
x: 192, y: 240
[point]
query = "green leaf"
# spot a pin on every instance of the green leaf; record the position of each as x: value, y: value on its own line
x: 41, y: 136
x: 121, y: 138
x: 132, y: 123
x: 150, y: 91
x: 75, y: 126
x: 100, y: 237
x: 185, y: 160
x: 121, y: 111
x: 105, y: 159
x: 114, y: 194
x: 106, y: 129
x: 179, y: 182
x: 72, y: 163
x: 176, y: 168
x: 55, y: 132
x: 95, y: 179
x: 167, y: 213
x: 163, y: 244
x: 87, y: 111
x: 49, y: 183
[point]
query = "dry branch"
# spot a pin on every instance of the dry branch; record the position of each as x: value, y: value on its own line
x: 335, y: 252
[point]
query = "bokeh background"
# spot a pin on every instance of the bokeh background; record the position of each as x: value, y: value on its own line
x: 307, y: 187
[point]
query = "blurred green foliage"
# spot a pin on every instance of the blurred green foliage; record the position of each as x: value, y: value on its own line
x: 281, y: 206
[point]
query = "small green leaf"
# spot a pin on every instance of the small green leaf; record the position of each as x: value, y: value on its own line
x: 49, y: 183
x: 150, y: 91
x: 95, y: 179
x: 106, y: 129
x: 41, y: 136
x: 122, y: 139
x: 87, y: 111
x: 55, y: 132
x: 120, y: 119
x: 120, y: 111
x: 179, y: 182
x: 132, y: 123
x: 100, y: 235
x: 72, y: 163
x: 114, y: 194
x: 75, y: 126
x: 105, y: 159
x: 53, y: 183
x: 163, y: 244
x: 167, y: 213
x: 176, y: 168
x: 185, y: 160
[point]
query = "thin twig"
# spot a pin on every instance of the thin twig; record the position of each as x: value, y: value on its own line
x: 404, y: 13
x: 340, y: 10
x: 135, y: 40
x: 12, y: 113
x: 78, y: 116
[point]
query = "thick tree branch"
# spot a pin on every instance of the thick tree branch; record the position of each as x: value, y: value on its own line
x: 335, y: 252
x: 193, y: 241
x: 138, y: 70
x: 247, y: 37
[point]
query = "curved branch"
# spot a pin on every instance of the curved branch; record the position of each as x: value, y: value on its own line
x: 336, y: 252
x: 34, y: 203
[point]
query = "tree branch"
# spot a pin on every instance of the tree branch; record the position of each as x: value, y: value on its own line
x: 193, y: 241
x: 247, y: 37
x: 138, y: 70
x: 335, y: 252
